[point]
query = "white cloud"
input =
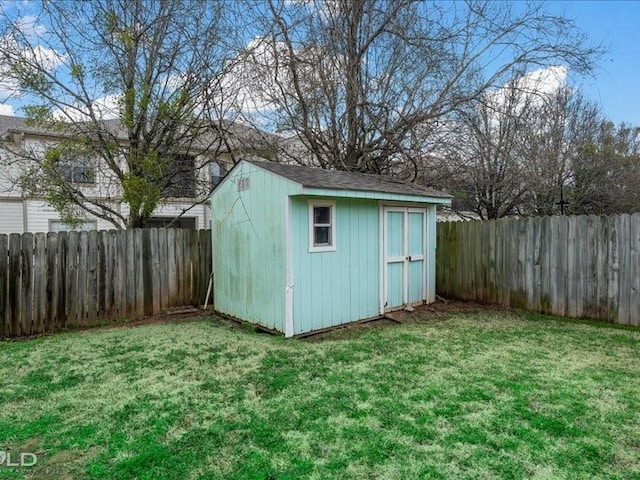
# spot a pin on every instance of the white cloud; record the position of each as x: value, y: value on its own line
x: 532, y: 88
x: 105, y: 108
x: 29, y: 25
x: 44, y: 57
x: 7, y: 110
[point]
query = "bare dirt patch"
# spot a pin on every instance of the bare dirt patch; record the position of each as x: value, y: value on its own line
x: 438, y: 310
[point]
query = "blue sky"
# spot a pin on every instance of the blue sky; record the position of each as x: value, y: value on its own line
x: 616, y: 83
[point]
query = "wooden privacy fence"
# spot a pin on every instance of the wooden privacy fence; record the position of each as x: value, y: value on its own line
x: 59, y: 280
x: 577, y: 266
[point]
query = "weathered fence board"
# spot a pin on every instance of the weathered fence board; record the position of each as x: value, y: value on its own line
x: 4, y: 282
x: 68, y: 279
x: 578, y: 266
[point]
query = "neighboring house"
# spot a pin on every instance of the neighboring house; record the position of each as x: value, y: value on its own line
x: 20, y: 212
x: 448, y: 214
x: 299, y: 249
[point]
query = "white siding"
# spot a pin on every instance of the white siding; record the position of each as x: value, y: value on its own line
x: 199, y: 212
x: 11, y: 216
x: 9, y: 174
x: 40, y: 213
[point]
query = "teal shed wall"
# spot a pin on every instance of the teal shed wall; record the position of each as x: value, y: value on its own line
x: 341, y: 286
x: 264, y: 272
x: 248, y: 246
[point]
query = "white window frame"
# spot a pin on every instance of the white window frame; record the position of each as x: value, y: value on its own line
x: 332, y: 226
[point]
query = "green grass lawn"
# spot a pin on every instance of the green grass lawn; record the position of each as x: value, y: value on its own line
x: 490, y: 395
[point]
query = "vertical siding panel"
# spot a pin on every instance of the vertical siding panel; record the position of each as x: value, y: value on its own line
x: 40, y: 279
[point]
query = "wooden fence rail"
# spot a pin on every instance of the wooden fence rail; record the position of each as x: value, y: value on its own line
x: 576, y: 266
x: 60, y: 280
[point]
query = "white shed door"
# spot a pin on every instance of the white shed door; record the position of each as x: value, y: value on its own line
x: 404, y: 256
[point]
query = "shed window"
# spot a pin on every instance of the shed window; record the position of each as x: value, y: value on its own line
x: 322, y: 223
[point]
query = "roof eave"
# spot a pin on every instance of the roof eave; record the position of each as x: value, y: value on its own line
x: 373, y: 195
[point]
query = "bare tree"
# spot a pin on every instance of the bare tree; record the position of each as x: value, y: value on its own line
x: 558, y: 132
x: 358, y: 82
x: 529, y: 151
x: 135, y: 85
x: 605, y: 173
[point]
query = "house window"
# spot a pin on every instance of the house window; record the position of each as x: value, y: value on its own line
x: 60, y: 226
x: 181, y: 177
x: 322, y: 226
x: 189, y: 223
x: 216, y: 174
x: 76, y: 169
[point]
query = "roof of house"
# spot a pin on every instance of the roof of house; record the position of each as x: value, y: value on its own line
x: 8, y: 122
x: 340, y: 180
x: 236, y: 134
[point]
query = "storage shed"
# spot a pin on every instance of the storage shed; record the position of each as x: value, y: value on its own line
x: 298, y: 249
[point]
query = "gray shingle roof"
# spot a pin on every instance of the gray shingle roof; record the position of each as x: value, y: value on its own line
x: 236, y: 134
x: 339, y: 180
x: 8, y: 122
